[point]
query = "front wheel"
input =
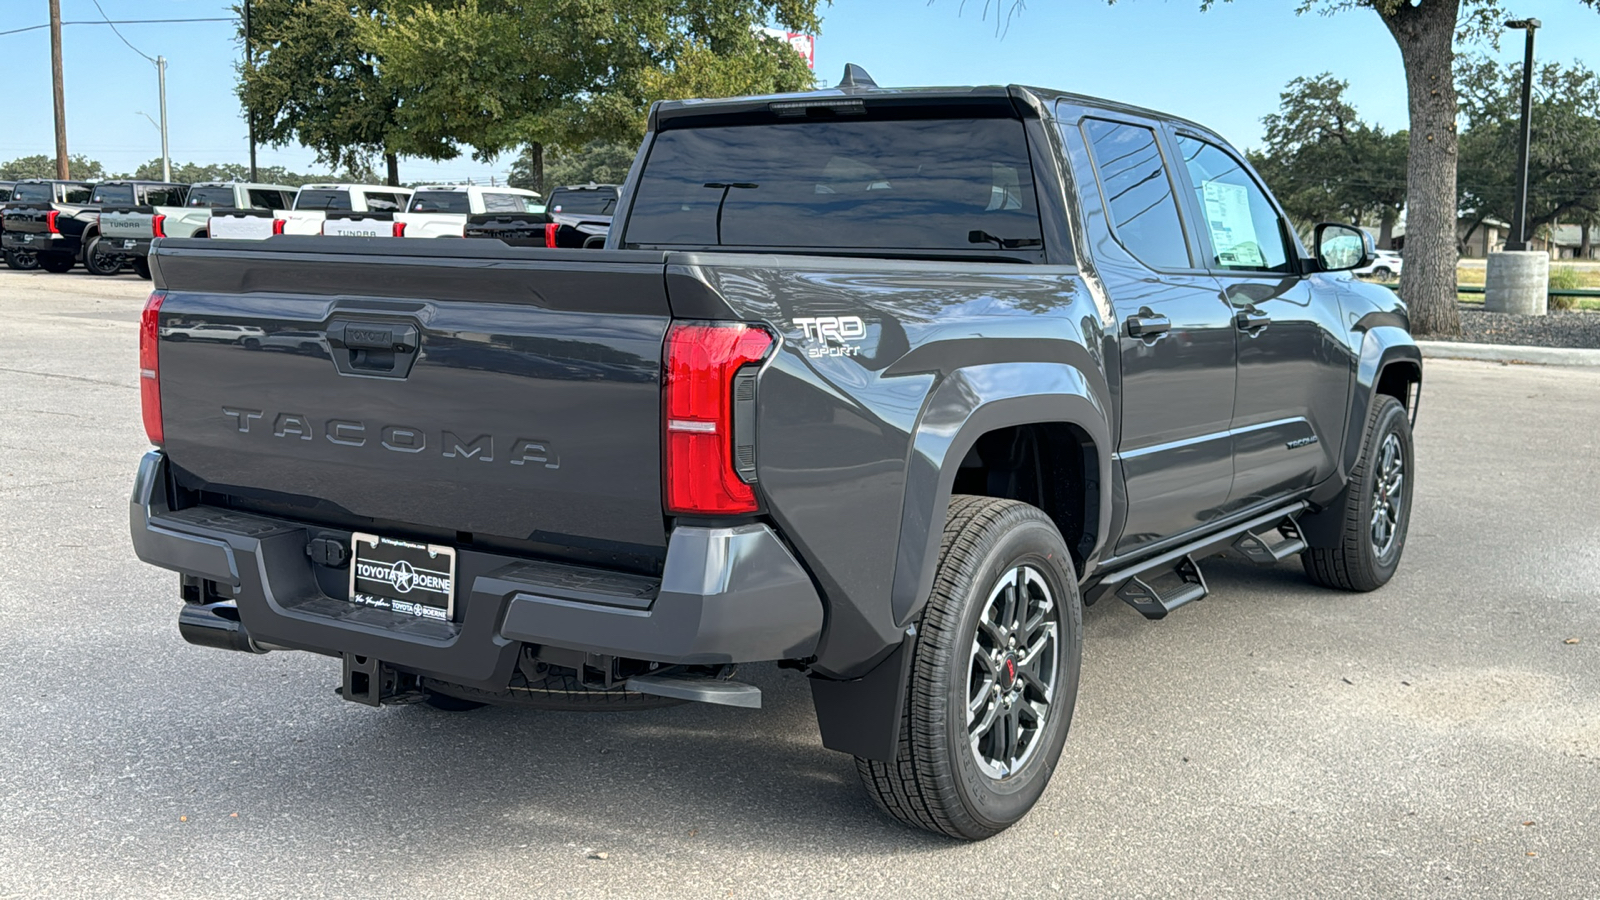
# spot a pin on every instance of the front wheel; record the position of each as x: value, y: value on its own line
x: 994, y: 675
x: 1375, y: 506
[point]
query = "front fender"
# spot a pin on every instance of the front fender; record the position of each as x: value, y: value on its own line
x: 968, y: 403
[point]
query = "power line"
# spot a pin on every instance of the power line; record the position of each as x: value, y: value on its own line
x: 115, y: 22
x: 118, y: 33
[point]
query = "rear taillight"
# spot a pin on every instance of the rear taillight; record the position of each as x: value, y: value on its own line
x: 321, y: 229
x: 399, y: 229
x: 709, y: 412
x: 50, y: 221
x: 150, y: 367
x: 277, y: 226
x: 550, y: 234
x: 156, y: 229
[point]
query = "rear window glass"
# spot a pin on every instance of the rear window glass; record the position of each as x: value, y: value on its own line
x: 377, y: 202
x: 33, y: 193
x: 211, y: 197
x: 511, y: 203
x: 76, y: 193
x: 440, y: 202
x: 167, y: 196
x: 937, y: 184
x: 322, y: 200
x: 5, y: 194
x: 112, y: 195
x: 602, y: 202
x: 265, y: 199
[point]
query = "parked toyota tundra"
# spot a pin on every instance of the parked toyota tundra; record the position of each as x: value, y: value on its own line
x: 15, y: 259
x: 313, y: 205
x: 881, y: 385
x: 130, y: 217
x: 47, y: 219
x: 447, y: 210
x: 127, y: 232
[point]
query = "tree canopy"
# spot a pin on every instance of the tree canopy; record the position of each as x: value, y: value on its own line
x: 42, y: 166
x: 1325, y: 164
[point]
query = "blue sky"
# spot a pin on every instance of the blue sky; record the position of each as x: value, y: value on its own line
x: 1224, y: 67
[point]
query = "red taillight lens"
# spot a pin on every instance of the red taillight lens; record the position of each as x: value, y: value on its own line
x: 550, y: 234
x: 150, y: 367
x: 50, y: 221
x: 399, y: 229
x: 156, y: 226
x: 702, y: 462
x: 277, y: 226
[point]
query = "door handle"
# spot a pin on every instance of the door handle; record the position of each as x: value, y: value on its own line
x: 1146, y: 324
x: 1252, y: 320
x: 366, y: 347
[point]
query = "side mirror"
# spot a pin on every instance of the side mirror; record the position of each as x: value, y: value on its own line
x: 1341, y: 248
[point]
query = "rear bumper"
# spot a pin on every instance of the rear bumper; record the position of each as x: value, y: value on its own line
x: 726, y: 595
x: 38, y: 242
x: 119, y: 246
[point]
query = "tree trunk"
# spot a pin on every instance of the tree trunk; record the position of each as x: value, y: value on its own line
x: 393, y: 162
x: 1386, y: 228
x: 536, y: 168
x: 1426, y: 33
x: 1586, y: 249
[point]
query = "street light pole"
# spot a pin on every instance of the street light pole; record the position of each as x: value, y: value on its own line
x: 1518, y: 239
x: 166, y: 158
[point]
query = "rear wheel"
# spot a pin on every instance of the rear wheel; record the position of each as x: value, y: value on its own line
x: 98, y: 262
x: 1376, y: 508
x: 56, y: 262
x: 1383, y: 273
x: 22, y: 260
x: 994, y: 675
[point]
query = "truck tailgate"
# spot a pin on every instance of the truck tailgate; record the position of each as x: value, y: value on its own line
x: 240, y: 224
x: 28, y: 219
x: 126, y: 223
x: 509, y: 394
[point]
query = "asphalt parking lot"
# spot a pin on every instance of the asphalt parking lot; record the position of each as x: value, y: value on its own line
x: 1438, y: 738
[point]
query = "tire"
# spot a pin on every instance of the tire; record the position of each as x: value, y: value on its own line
x: 22, y: 260
x: 141, y: 267
x: 251, y: 344
x: 99, y: 264
x: 1382, y: 273
x: 1368, y: 551
x: 57, y: 263
x: 941, y: 780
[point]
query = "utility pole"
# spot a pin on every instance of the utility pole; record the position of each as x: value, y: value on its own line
x: 1519, y: 213
x: 250, y: 64
x: 59, y: 84
x: 166, y: 158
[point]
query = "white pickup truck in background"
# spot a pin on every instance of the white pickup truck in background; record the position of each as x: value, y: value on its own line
x: 311, y: 209
x: 128, y: 231
x: 443, y: 210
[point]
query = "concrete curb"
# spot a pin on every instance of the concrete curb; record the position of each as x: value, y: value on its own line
x: 1510, y: 353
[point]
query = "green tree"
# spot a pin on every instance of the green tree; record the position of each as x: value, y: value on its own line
x: 1325, y: 164
x: 497, y: 75
x: 42, y: 166
x: 1564, y: 153
x: 606, y: 162
x: 317, y: 80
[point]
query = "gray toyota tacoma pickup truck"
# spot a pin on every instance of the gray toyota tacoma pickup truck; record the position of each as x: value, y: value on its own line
x: 882, y: 385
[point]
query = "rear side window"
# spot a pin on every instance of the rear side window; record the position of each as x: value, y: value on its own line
x: 1138, y: 192
x: 76, y: 193
x: 440, y: 202
x: 582, y: 202
x: 210, y: 198
x: 33, y: 193
x: 109, y: 195
x: 263, y: 199
x: 377, y: 202
x: 917, y: 185
x: 323, y: 200
x: 164, y: 196
x: 5, y: 194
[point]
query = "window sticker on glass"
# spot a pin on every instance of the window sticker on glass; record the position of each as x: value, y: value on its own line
x: 1233, y: 232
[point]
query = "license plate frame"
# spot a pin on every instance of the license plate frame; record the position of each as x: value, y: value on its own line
x: 404, y: 577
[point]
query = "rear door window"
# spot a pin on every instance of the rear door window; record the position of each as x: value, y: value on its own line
x: 385, y: 202
x: 263, y: 199
x: 110, y: 195
x: 76, y: 193
x: 440, y: 202
x: 508, y: 203
x: 164, y: 196
x: 1138, y: 194
x: 5, y: 194
x: 322, y: 199
x: 915, y: 185
x: 584, y: 201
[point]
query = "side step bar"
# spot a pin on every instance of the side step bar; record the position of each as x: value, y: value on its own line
x: 1153, y: 603
x: 700, y: 688
x: 1255, y: 547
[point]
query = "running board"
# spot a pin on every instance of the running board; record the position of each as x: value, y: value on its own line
x: 1255, y: 547
x: 1154, y: 603
x: 699, y: 688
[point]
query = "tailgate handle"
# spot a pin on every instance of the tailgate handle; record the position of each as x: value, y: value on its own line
x: 373, y: 348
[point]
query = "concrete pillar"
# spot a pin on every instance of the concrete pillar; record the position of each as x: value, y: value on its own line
x: 1518, y: 281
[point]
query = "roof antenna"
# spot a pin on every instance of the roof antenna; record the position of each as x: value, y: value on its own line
x: 856, y: 77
